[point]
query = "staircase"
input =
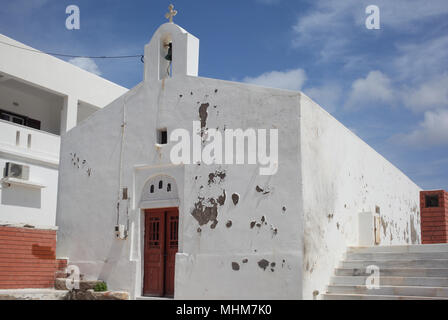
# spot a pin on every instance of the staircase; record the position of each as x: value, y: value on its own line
x: 410, y: 272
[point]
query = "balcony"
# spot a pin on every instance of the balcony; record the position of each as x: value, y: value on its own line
x: 29, y: 144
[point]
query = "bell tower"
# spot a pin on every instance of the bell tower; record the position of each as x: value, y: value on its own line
x: 172, y: 52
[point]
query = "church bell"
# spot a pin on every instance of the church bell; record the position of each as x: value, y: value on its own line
x: 169, y: 56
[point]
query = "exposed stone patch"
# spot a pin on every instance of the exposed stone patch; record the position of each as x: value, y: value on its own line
x: 222, y: 198
x: 263, y: 264
x: 203, y: 114
x: 235, y: 198
x: 252, y: 224
x: 235, y: 266
x: 260, y: 190
x: 245, y: 260
x: 229, y: 224
x: 203, y: 214
x: 284, y: 209
x: 215, y: 175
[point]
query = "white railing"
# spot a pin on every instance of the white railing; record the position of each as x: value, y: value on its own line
x: 28, y: 142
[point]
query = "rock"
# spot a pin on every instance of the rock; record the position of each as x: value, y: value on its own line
x: 111, y: 295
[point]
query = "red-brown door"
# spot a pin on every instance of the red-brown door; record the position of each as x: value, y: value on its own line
x: 161, y: 243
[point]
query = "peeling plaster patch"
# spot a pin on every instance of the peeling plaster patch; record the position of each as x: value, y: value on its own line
x: 229, y: 224
x: 263, y: 264
x: 204, y: 214
x: 235, y: 198
x: 217, y: 174
x: 260, y: 190
x: 222, y: 198
x: 235, y: 266
x: 203, y: 114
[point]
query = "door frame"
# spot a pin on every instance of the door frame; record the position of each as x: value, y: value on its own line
x: 143, y: 236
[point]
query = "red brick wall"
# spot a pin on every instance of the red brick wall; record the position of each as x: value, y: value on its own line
x: 434, y: 220
x: 28, y: 258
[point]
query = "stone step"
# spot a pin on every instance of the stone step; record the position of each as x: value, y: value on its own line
x: 391, y: 291
x: 60, y: 284
x: 334, y: 296
x: 439, y: 247
x: 396, y: 256
x: 392, y: 281
x: 399, y: 272
x: 92, y: 295
x: 434, y: 263
x: 33, y: 294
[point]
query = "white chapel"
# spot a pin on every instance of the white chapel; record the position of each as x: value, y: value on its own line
x: 196, y: 229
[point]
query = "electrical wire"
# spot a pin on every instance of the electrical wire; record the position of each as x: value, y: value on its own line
x: 74, y: 56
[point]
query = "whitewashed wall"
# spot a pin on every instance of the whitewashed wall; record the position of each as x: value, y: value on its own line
x: 87, y: 204
x: 343, y: 176
x: 25, y: 205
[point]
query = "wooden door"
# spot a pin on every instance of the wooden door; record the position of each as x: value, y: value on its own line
x: 161, y: 243
x: 172, y: 223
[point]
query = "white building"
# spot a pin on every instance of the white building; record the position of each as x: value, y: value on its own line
x: 41, y: 98
x: 220, y: 231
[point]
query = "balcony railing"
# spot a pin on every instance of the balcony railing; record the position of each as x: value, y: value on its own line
x: 29, y: 143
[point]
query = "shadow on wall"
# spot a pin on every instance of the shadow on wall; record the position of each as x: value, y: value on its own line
x: 21, y: 197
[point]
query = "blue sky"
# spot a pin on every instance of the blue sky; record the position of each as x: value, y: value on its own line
x: 389, y: 86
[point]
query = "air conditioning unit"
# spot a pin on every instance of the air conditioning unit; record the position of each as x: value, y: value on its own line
x: 17, y: 171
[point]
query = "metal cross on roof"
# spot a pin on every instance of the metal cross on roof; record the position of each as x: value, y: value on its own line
x: 171, y: 14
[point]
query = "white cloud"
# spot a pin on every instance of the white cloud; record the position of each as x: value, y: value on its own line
x: 327, y: 96
x: 290, y: 79
x: 432, y: 94
x: 376, y: 87
x: 86, y: 64
x: 431, y: 132
x: 333, y: 26
x: 417, y: 61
